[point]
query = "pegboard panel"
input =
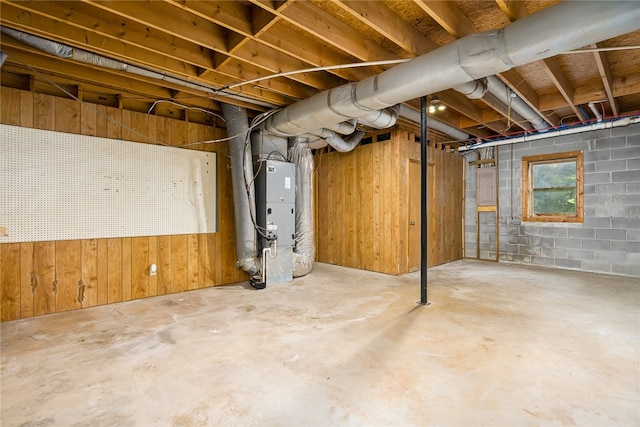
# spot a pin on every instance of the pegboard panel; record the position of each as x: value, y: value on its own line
x: 61, y: 186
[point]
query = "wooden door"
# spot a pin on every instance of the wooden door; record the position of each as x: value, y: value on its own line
x: 415, y: 221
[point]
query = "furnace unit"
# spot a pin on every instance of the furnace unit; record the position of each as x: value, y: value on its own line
x: 276, y: 219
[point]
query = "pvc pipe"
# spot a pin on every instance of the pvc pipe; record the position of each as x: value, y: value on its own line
x: 595, y: 111
x: 553, y: 133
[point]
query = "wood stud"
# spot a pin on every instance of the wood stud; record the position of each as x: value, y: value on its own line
x: 38, y: 278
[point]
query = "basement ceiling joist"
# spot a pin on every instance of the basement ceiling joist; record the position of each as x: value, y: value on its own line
x: 221, y: 43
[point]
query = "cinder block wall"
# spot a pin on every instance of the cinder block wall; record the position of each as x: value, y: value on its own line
x: 470, y: 240
x: 608, y: 241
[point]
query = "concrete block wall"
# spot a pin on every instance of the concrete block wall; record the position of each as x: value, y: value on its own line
x: 470, y: 242
x: 608, y: 241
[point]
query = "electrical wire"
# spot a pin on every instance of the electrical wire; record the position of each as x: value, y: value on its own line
x: 130, y: 129
x: 315, y: 69
x: 111, y: 119
x: 185, y: 107
x: 601, y: 49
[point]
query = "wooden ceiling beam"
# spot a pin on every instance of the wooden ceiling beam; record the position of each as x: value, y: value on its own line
x: 74, y: 21
x: 262, y: 20
x: 230, y: 14
x: 511, y: 116
x: 241, y: 45
x: 316, y: 22
x: 518, y: 84
x: 559, y: 78
x: 104, y: 37
x: 275, y: 62
x: 456, y: 23
x: 68, y: 69
x: 268, y: 30
x: 387, y: 23
x: 245, y: 42
x: 605, y: 75
x: 624, y: 86
x: 452, y: 118
x: 460, y: 103
x: 331, y: 30
x: 448, y: 16
x: 164, y: 17
x: 290, y: 42
x: 255, y: 93
x: 514, y: 9
x: 168, y: 18
x: 284, y: 87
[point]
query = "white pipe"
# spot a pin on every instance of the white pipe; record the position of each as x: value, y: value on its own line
x: 553, y: 133
x: 595, y: 111
x: 557, y: 29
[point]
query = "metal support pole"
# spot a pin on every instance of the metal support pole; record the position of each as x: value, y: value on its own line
x: 423, y: 201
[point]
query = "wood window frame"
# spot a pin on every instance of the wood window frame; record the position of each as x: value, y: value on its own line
x: 527, y: 187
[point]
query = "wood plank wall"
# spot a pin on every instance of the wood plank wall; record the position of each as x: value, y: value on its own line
x: 362, y: 205
x: 39, y: 278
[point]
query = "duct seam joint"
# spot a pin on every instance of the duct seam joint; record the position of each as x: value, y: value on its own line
x: 502, y: 49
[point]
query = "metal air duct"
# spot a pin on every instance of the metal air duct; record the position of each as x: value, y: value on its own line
x: 503, y: 93
x: 242, y: 182
x: 64, y: 51
x: 413, y: 115
x: 557, y: 29
x: 304, y: 251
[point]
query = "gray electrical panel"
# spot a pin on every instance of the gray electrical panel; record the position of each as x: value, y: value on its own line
x: 275, y: 201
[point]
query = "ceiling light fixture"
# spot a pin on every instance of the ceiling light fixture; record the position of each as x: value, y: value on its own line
x: 436, y: 105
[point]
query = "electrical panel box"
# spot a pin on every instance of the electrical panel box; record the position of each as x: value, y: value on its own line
x: 275, y: 201
x: 487, y: 192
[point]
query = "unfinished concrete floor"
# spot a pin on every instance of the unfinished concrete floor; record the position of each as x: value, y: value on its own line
x: 500, y: 345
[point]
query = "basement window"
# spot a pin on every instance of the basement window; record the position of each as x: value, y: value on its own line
x: 552, y: 188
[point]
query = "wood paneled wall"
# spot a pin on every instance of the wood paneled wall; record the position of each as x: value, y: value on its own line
x: 39, y: 278
x: 362, y: 205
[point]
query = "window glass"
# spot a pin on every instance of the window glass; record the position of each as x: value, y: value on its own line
x: 552, y: 187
